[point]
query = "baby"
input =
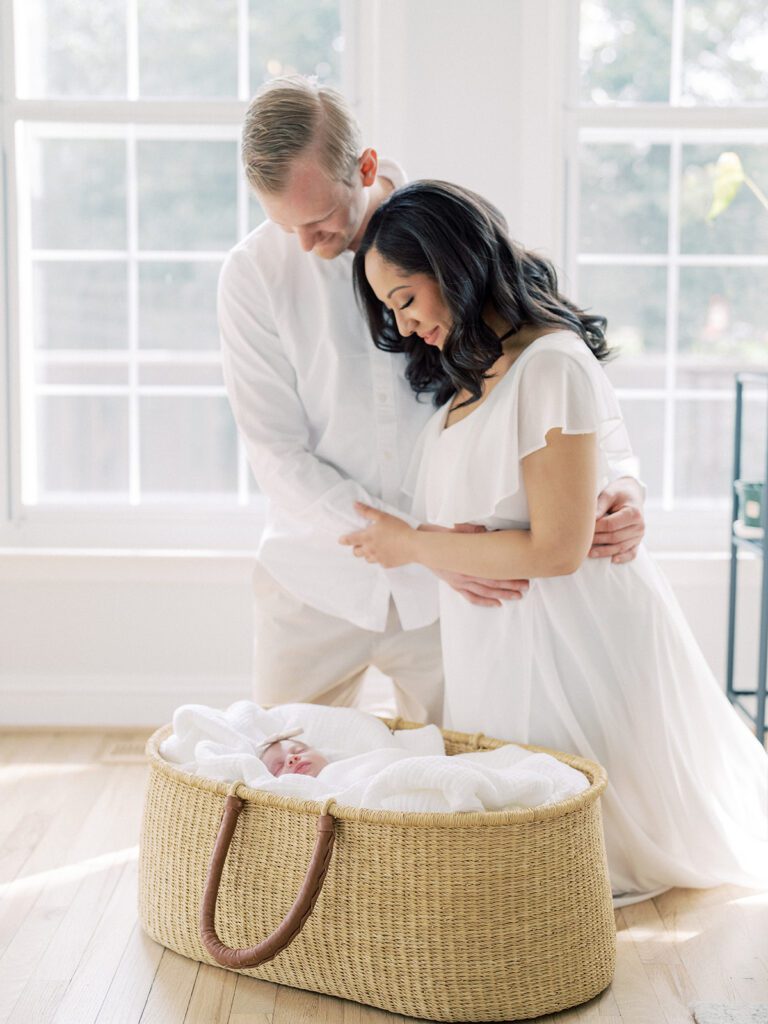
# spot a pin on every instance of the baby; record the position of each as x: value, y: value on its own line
x: 285, y: 755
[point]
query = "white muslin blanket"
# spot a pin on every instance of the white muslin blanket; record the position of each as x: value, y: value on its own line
x: 370, y: 766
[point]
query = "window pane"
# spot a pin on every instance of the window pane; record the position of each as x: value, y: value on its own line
x: 645, y: 425
x: 289, y: 37
x: 82, y: 446
x: 255, y: 212
x: 726, y: 52
x: 78, y: 194
x: 82, y: 374
x: 71, y: 48
x: 624, y: 198
x: 188, y: 446
x: 742, y: 227
x: 80, y: 305
x: 634, y: 301
x: 188, y: 48
x: 177, y: 305
x: 187, y: 195
x: 625, y: 50
x: 703, y: 449
x: 722, y: 315
x: 181, y: 374
x: 754, y: 431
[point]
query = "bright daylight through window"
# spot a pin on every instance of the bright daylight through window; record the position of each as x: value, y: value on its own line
x: 670, y: 227
x: 128, y: 194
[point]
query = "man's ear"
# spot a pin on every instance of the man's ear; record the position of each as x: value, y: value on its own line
x: 369, y: 166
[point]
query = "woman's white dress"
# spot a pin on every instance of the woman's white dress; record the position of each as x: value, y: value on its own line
x: 601, y: 662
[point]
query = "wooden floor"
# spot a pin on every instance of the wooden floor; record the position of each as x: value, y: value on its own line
x: 71, y: 951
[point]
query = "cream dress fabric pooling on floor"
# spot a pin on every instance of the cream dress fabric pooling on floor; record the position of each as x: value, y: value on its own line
x: 600, y: 663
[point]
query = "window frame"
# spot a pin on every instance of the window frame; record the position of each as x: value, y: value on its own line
x: 199, y: 524
x: 693, y: 524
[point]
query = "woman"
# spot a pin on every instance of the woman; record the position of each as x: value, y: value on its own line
x: 597, y: 658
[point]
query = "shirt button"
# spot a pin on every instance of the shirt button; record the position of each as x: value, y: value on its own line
x: 388, y: 456
x: 382, y: 397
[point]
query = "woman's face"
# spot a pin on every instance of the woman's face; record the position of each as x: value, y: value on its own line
x: 290, y: 757
x: 414, y: 299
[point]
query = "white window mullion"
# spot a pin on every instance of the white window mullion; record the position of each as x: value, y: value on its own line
x: 134, y: 437
x: 242, y: 231
x: 27, y: 472
x: 243, y: 52
x: 132, y: 48
x: 672, y: 311
x: 676, y: 65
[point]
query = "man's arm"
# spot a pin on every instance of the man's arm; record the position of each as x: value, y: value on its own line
x: 270, y: 416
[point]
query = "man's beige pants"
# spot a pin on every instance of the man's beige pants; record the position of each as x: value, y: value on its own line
x: 303, y: 655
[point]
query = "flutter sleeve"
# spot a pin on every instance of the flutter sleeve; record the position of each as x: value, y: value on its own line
x: 473, y: 474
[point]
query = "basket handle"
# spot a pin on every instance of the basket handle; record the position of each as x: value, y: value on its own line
x: 293, y: 921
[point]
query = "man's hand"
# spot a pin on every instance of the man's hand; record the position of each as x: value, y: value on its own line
x: 620, y: 525
x: 487, y: 593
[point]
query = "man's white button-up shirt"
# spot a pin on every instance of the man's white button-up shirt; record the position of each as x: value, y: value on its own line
x: 326, y: 418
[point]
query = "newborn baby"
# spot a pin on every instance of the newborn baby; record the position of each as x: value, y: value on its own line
x: 285, y: 755
x: 363, y: 763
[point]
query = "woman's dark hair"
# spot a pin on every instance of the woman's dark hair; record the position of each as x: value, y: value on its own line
x: 460, y: 239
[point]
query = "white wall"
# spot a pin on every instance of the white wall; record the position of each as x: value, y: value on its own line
x: 468, y: 90
x: 459, y: 89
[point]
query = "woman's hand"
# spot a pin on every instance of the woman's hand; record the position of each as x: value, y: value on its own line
x: 387, y: 540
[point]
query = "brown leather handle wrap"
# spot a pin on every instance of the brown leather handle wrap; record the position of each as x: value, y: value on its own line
x: 293, y: 921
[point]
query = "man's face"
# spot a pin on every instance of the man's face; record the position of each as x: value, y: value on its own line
x: 326, y: 215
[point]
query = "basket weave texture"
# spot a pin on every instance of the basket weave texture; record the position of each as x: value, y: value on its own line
x: 491, y: 916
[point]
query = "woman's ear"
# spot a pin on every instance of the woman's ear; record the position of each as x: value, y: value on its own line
x: 369, y: 166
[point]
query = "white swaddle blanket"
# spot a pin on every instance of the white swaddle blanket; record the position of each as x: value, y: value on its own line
x: 370, y: 766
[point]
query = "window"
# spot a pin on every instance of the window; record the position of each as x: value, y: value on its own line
x: 124, y: 194
x: 667, y: 91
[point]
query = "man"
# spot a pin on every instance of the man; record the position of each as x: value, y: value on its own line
x: 327, y: 420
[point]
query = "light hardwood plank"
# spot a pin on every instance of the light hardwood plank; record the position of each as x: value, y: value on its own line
x: 646, y: 930
x: 254, y: 1001
x: 130, y: 986
x: 212, y: 996
x: 631, y: 988
x: 699, y: 949
x: 295, y: 1007
x: 674, y: 990
x: 171, y: 990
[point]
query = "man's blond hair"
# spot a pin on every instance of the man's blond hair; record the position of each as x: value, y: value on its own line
x: 290, y: 115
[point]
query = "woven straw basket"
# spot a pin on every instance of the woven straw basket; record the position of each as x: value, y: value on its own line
x: 454, y: 917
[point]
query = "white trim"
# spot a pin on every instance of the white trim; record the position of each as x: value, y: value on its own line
x: 201, y: 522
x: 677, y: 50
x: 243, y: 51
x: 605, y: 259
x: 68, y: 701
x: 5, y: 374
x: 657, y: 120
x: 132, y: 49
x: 76, y: 356
x: 193, y: 130
x: 101, y: 114
x: 117, y: 255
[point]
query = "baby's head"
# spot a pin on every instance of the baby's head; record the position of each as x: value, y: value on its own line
x: 285, y: 755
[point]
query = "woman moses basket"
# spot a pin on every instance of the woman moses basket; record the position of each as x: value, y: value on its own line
x: 486, y: 916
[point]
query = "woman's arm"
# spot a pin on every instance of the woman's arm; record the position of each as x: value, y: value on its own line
x: 560, y: 482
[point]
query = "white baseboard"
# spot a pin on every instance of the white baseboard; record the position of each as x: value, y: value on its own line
x: 68, y: 701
